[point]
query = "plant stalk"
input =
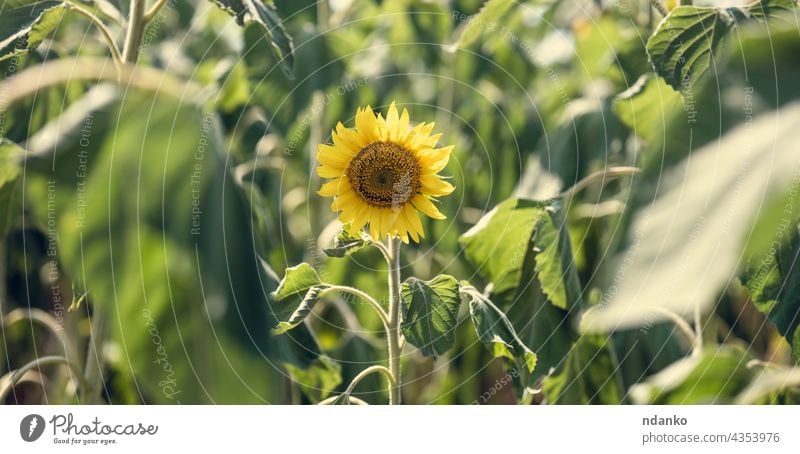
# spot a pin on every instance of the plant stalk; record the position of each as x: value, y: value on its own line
x: 116, y: 57
x: 394, y: 320
x: 133, y: 38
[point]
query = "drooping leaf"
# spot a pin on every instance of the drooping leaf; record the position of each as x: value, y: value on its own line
x: 554, y: 268
x: 345, y: 243
x: 297, y: 279
x: 773, y: 280
x: 485, y: 20
x: 684, y: 45
x: 319, y: 380
x: 716, y: 376
x: 429, y: 313
x: 299, y: 314
x: 296, y: 295
x: 24, y: 24
x: 685, y: 250
x: 261, y: 14
x: 498, y: 335
x: 500, y: 242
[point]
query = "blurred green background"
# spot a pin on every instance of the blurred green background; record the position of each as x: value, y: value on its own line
x: 174, y: 211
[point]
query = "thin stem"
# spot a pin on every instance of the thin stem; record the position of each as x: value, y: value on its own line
x: 115, y: 55
x: 379, y: 246
x: 602, y: 175
x: 394, y: 320
x: 682, y: 325
x: 364, y: 373
x: 151, y: 13
x: 133, y: 38
x: 15, y: 376
x: 364, y: 296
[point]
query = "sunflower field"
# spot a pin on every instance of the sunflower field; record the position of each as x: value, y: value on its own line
x: 399, y: 201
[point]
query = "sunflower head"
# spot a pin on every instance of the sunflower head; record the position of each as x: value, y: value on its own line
x: 382, y: 172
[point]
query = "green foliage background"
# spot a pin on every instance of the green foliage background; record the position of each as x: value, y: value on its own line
x: 175, y: 203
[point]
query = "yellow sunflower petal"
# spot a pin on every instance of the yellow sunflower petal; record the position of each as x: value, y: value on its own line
x: 434, y: 185
x: 374, y: 223
x: 397, y: 125
x: 329, y: 172
x: 414, y: 224
x: 383, y: 129
x: 343, y: 200
x: 402, y: 127
x: 347, y: 139
x: 367, y: 124
x: 333, y: 157
x: 422, y: 203
x: 435, y: 161
x: 335, y: 187
x: 361, y: 217
x: 417, y: 135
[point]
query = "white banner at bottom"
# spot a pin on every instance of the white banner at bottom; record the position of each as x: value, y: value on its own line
x: 385, y: 430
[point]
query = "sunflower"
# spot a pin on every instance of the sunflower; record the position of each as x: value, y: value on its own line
x: 382, y: 172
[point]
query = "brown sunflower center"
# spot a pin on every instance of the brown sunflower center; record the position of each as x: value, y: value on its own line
x: 384, y: 174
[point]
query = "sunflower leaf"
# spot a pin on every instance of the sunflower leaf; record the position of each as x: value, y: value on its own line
x: 318, y: 380
x: 303, y: 309
x: 683, y: 46
x: 288, y: 304
x: 429, y: 313
x: 498, y: 335
x: 345, y: 244
x: 773, y: 280
x: 24, y: 24
x: 500, y: 242
x: 262, y: 15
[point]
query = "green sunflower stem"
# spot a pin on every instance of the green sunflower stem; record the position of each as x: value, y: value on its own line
x: 394, y: 320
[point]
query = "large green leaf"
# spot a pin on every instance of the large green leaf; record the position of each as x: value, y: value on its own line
x: 502, y: 240
x: 261, y: 15
x: 555, y: 268
x: 773, y: 279
x: 715, y: 376
x: 651, y: 109
x: 496, y: 332
x: 683, y: 46
x: 295, y: 297
x: 429, y: 313
x: 685, y: 249
x: 24, y: 24
x: 11, y: 155
x: 318, y: 380
x: 300, y: 313
x: 151, y: 204
x: 297, y: 279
